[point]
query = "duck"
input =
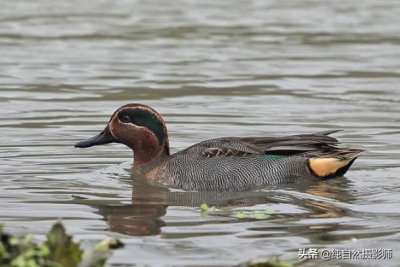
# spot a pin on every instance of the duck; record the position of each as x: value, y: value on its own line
x: 225, y: 163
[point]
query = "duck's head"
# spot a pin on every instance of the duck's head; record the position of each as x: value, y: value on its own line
x: 139, y: 127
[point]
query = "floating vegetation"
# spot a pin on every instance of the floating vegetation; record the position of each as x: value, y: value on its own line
x: 205, y: 209
x: 59, y: 250
x: 255, y: 214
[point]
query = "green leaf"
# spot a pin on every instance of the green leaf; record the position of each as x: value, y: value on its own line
x: 260, y: 215
x: 240, y: 215
x: 63, y: 250
x: 97, y: 256
x: 204, y: 209
x: 58, y: 251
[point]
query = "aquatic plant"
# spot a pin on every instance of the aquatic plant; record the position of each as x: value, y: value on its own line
x: 255, y: 214
x: 205, y: 209
x: 59, y: 250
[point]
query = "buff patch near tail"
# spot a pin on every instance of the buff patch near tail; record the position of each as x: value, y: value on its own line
x: 324, y: 167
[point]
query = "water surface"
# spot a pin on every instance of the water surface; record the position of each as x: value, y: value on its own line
x: 211, y: 68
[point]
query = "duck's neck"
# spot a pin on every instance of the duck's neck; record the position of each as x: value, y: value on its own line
x: 150, y: 150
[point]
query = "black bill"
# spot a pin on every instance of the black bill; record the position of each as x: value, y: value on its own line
x: 105, y: 137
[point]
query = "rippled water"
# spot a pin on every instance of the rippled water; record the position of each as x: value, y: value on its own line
x: 212, y: 68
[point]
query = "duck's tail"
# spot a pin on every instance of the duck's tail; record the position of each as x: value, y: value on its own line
x: 333, y: 163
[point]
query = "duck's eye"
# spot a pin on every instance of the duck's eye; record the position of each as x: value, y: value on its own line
x: 125, y: 119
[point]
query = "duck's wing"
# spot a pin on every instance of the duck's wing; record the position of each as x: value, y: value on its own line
x: 293, y: 144
x: 287, y: 145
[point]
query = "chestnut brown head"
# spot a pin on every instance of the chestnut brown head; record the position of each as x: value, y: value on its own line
x: 139, y: 127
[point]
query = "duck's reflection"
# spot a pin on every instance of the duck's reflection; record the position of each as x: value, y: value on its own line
x: 135, y: 219
x: 334, y: 191
x: 144, y: 216
x: 150, y: 203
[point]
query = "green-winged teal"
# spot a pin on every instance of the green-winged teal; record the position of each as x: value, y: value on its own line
x: 222, y: 164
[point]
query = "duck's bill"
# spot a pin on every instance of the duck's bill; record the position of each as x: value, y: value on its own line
x: 105, y: 137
